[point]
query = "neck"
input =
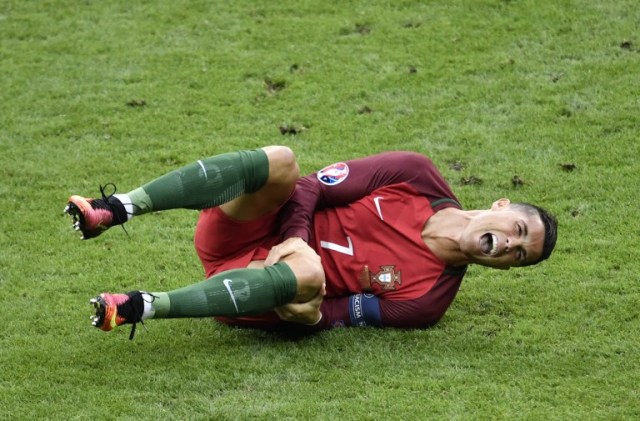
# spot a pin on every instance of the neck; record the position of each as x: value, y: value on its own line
x: 442, y: 234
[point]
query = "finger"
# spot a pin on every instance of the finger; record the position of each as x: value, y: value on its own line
x: 282, y: 314
x: 315, y: 302
x: 272, y: 258
x: 275, y: 255
x: 321, y: 293
x: 278, y: 253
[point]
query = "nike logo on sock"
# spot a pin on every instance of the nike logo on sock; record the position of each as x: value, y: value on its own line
x: 227, y: 285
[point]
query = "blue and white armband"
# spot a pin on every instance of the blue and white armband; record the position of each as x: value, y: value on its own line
x: 364, y: 310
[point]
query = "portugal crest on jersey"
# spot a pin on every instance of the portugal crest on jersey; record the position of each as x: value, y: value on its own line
x: 387, y: 278
x: 333, y: 174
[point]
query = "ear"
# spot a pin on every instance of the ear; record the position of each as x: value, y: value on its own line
x: 500, y: 204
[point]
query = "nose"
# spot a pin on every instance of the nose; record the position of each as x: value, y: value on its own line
x: 512, y: 242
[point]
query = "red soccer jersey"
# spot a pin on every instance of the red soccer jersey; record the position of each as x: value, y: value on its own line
x: 365, y: 218
x: 375, y: 245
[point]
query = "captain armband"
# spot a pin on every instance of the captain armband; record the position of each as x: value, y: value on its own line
x: 364, y: 310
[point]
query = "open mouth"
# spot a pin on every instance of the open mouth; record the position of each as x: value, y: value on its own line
x: 489, y: 244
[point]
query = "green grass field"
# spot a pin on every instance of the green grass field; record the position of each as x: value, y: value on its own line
x: 532, y: 100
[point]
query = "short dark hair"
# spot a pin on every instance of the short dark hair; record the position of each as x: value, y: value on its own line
x: 550, y: 229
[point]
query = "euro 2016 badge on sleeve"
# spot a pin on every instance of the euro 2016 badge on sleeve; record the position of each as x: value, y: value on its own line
x: 333, y: 174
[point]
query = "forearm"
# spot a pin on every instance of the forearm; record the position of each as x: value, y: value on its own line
x: 362, y: 310
x: 356, y: 310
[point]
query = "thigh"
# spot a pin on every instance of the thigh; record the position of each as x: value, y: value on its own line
x: 224, y: 243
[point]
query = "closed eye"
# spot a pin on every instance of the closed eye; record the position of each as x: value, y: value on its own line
x: 522, y: 254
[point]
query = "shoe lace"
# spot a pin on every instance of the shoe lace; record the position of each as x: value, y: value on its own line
x: 105, y: 204
x: 138, y: 317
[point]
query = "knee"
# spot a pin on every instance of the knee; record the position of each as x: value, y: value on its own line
x: 311, y: 271
x: 309, y: 274
x: 315, y: 273
x: 283, y: 165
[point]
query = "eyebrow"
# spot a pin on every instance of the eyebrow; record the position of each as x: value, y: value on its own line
x: 526, y: 233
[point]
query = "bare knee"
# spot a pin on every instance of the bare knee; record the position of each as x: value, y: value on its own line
x: 309, y: 273
x: 283, y: 166
x: 311, y: 281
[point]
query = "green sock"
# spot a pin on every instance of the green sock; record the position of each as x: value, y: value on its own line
x: 237, y: 292
x: 204, y: 184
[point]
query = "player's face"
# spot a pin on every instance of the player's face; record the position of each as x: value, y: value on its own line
x: 503, y: 236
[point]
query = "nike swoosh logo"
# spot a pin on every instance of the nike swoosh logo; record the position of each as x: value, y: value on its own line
x: 227, y: 285
x: 377, y: 200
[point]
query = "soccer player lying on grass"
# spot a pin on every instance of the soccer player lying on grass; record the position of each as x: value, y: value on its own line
x: 376, y: 241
